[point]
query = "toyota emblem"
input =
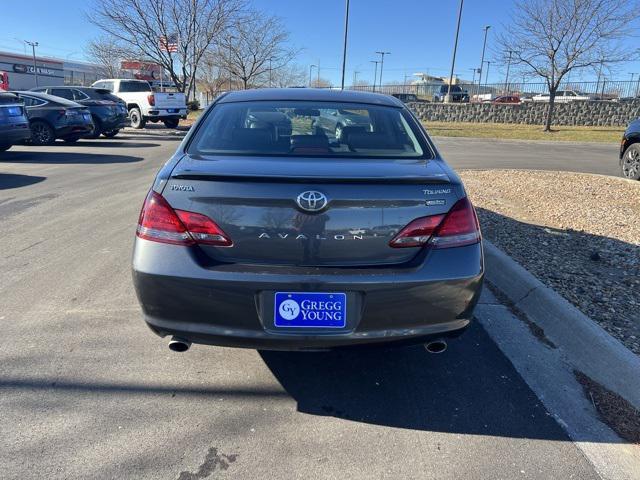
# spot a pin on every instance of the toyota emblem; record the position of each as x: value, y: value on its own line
x: 312, y: 201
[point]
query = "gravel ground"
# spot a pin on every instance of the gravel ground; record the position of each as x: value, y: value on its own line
x: 578, y: 233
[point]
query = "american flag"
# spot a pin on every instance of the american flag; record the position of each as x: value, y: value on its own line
x: 168, y: 44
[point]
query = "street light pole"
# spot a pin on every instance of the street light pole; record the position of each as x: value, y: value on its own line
x: 455, y: 49
x: 344, y: 51
x: 506, y: 79
x: 484, y: 46
x: 311, y: 67
x: 382, y: 54
x: 486, y: 78
x: 474, y: 70
x: 35, y: 65
x: 375, y: 75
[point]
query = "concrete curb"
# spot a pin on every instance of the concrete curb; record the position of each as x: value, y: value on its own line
x: 584, y: 344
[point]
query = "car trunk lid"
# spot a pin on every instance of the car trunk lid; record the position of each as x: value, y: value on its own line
x: 257, y: 202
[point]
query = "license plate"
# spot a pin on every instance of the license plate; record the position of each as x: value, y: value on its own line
x: 172, y: 110
x: 310, y: 310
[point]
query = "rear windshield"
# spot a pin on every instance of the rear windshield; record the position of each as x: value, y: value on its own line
x: 305, y: 128
x: 135, y: 87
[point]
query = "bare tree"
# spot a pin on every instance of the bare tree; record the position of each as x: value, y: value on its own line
x: 213, y: 78
x: 107, y: 54
x: 150, y: 28
x: 320, y: 83
x: 255, y: 44
x: 551, y: 38
x: 289, y: 76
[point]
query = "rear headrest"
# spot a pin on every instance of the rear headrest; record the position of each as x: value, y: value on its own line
x: 252, y: 136
x: 348, y: 131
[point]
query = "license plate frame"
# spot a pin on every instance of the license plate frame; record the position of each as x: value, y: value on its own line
x: 298, y: 314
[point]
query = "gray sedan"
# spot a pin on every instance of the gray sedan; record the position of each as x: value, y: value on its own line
x: 259, y: 236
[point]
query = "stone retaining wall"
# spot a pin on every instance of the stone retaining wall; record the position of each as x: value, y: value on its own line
x: 587, y: 113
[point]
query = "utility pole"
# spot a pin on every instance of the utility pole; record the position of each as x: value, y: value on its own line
x: 486, y: 78
x: 355, y: 77
x: 375, y: 75
x: 311, y: 67
x: 484, y: 46
x: 344, y: 51
x: 506, y: 79
x: 455, y: 49
x: 35, y: 65
x: 474, y: 70
x: 382, y: 54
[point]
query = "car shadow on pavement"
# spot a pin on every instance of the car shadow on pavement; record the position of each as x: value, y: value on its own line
x: 47, y: 156
x: 10, y: 180
x: 472, y: 388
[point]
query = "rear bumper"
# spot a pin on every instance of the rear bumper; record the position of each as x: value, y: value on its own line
x: 15, y: 134
x: 232, y: 305
x: 80, y: 130
x: 163, y: 113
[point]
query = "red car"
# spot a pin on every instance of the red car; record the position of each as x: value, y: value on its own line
x: 506, y: 99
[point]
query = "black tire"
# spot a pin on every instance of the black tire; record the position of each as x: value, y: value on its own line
x: 136, y: 118
x: 4, y: 148
x: 97, y: 128
x: 70, y: 139
x: 171, y: 122
x: 111, y: 133
x: 630, y: 164
x: 42, y: 133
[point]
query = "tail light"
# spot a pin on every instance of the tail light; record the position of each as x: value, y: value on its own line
x: 456, y: 228
x: 159, y: 222
x: 152, y: 100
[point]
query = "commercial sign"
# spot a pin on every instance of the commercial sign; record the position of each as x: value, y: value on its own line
x: 22, y: 68
x: 142, y: 70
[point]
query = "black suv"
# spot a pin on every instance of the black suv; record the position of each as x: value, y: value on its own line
x: 457, y: 94
x: 406, y: 97
x: 109, y: 112
x: 14, y: 125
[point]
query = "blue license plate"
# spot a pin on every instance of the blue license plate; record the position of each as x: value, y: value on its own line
x: 310, y: 310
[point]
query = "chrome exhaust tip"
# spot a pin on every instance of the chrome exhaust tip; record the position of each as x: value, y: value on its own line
x: 177, y: 344
x: 436, y: 346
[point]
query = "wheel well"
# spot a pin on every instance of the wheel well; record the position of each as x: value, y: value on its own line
x: 42, y: 120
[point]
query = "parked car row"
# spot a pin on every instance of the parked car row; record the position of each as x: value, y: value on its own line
x: 42, y: 115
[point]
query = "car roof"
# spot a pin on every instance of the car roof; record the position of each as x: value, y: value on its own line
x: 309, y: 94
x: 49, y: 98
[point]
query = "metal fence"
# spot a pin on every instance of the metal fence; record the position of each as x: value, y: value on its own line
x: 604, y: 89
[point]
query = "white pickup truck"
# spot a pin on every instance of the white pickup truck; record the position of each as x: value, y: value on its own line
x: 144, y: 104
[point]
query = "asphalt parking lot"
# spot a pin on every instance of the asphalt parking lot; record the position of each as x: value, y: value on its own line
x: 87, y: 391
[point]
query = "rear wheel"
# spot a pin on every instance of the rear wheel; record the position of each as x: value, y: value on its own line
x: 631, y: 162
x: 42, y: 134
x: 135, y: 116
x: 171, y: 122
x: 111, y: 133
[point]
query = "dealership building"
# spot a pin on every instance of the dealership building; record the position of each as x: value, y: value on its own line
x: 51, y: 71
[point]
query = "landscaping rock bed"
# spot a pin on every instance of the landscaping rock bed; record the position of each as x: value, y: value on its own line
x: 578, y: 233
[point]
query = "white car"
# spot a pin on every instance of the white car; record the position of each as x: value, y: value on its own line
x: 564, y: 96
x: 146, y: 105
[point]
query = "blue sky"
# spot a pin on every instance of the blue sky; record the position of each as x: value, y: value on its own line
x: 418, y: 33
